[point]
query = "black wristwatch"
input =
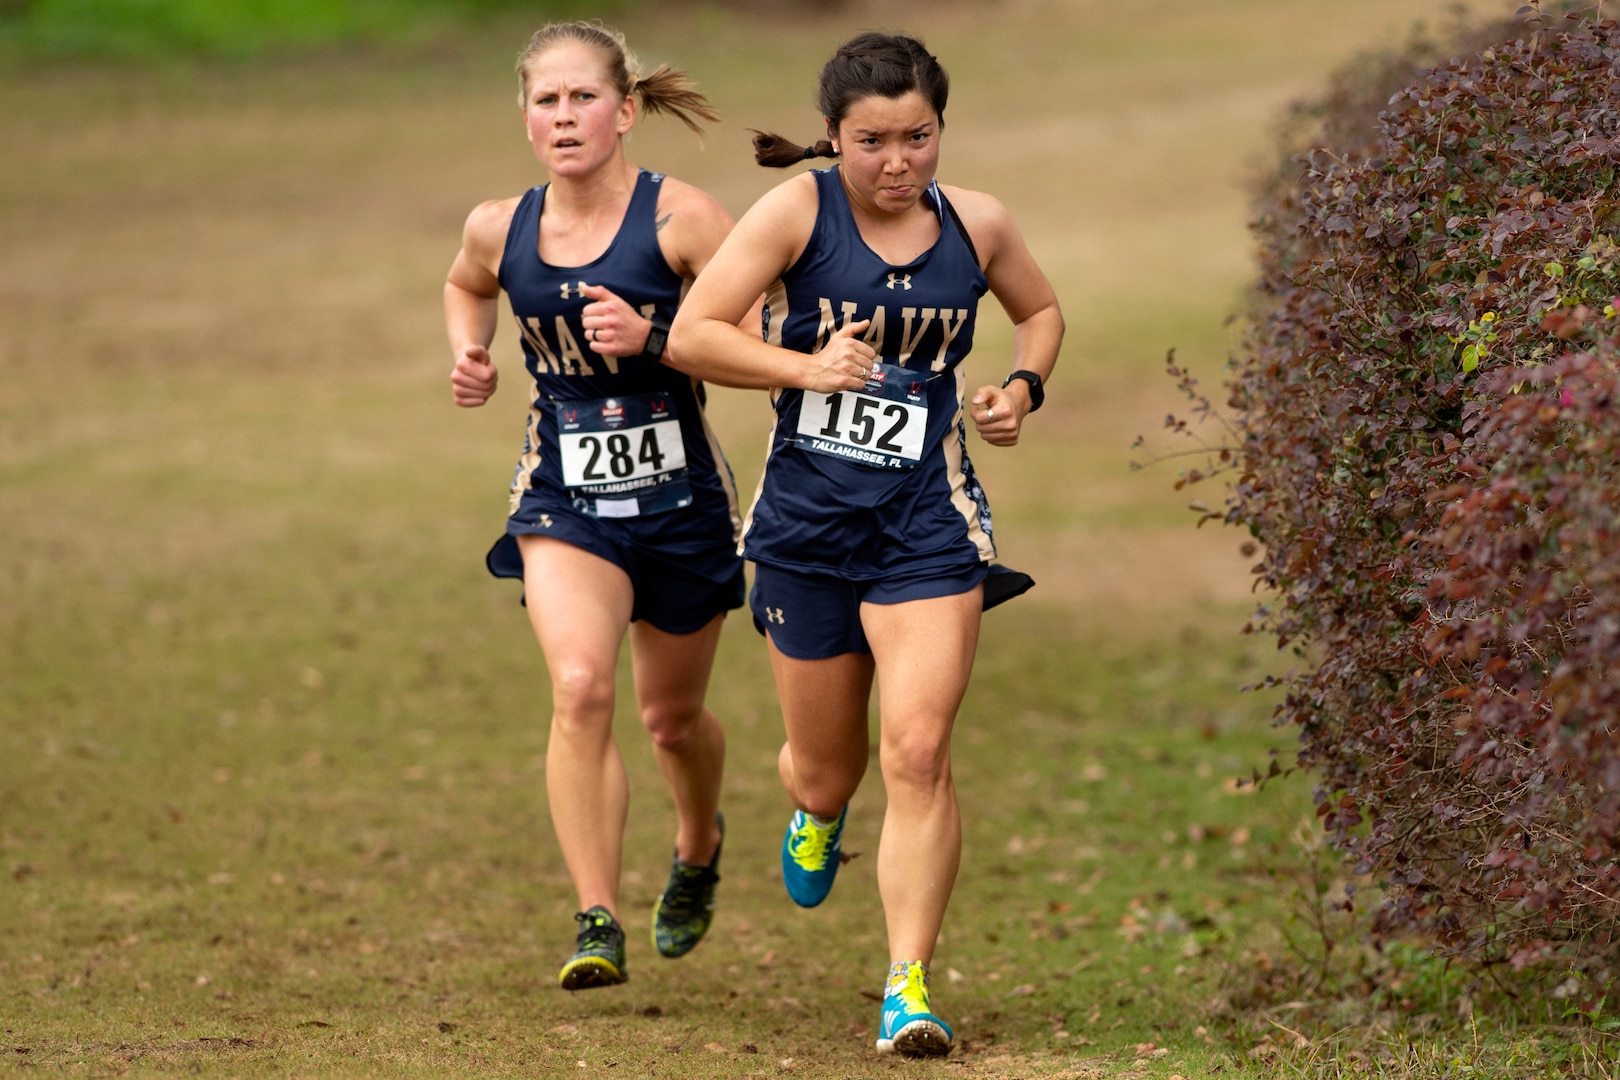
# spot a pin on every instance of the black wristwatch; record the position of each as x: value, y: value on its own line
x: 657, y: 338
x: 1037, y: 393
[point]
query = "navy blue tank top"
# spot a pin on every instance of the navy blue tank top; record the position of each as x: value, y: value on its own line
x: 548, y: 303
x: 875, y: 484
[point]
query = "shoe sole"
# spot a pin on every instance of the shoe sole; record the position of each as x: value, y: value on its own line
x: 590, y: 972
x: 918, y: 1039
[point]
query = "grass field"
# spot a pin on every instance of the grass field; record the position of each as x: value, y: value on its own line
x: 271, y: 742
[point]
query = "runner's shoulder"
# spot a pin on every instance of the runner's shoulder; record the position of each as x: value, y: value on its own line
x: 984, y: 216
x: 677, y: 197
x: 493, y: 217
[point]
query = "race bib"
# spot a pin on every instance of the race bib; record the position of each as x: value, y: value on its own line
x: 623, y: 456
x: 882, y: 426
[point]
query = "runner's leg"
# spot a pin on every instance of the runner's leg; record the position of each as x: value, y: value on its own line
x: 579, y: 605
x: 672, y: 677
x: 923, y: 650
x: 824, y: 711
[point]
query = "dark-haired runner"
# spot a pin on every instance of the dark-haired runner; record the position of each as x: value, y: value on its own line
x: 871, y: 536
x: 623, y: 510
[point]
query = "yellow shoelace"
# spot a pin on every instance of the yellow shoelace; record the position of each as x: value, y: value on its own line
x: 809, y: 846
x: 910, y: 985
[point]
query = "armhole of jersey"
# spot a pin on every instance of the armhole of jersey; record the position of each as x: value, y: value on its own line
x: 658, y: 236
x: 506, y: 245
x: 961, y: 228
x: 815, y: 224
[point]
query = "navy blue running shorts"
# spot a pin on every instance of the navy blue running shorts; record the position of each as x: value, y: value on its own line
x: 667, y: 595
x: 816, y: 616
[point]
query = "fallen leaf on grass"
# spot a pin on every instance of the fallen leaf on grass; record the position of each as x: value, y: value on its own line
x: 715, y: 1048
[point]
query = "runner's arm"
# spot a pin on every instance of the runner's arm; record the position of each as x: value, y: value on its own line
x: 1030, y: 302
x: 472, y: 292
x: 710, y: 339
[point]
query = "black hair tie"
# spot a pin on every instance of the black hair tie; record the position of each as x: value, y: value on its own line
x: 809, y: 152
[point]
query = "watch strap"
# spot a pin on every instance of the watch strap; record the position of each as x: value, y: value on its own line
x: 1037, y: 392
x: 657, y: 338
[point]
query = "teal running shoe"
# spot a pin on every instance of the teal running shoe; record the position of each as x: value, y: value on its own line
x: 908, y: 1028
x: 810, y: 857
x: 686, y: 909
x: 598, y: 958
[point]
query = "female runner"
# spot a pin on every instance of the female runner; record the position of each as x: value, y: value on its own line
x: 870, y: 535
x: 623, y: 509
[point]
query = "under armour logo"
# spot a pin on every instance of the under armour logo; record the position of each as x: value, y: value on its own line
x: 576, y: 290
x: 774, y: 615
x: 902, y: 280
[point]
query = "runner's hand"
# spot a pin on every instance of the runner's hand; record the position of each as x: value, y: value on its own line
x: 844, y: 364
x: 999, y: 413
x: 473, y: 378
x: 612, y: 326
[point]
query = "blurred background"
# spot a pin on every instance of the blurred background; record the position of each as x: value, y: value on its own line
x: 257, y: 692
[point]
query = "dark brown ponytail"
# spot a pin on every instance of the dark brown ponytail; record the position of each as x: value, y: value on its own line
x: 775, y: 152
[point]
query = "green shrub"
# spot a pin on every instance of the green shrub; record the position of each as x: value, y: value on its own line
x: 1438, y: 513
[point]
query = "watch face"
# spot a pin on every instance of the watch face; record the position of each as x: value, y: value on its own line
x: 656, y: 338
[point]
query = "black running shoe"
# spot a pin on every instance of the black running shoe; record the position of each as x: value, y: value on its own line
x: 687, y: 906
x: 598, y: 958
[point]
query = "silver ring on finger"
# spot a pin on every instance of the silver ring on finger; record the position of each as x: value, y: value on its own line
x: 989, y: 413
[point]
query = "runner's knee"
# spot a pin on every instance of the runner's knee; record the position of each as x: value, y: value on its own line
x: 671, y: 724
x: 581, y: 694
x: 917, y: 760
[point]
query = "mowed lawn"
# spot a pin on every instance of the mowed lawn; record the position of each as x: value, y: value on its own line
x: 272, y: 742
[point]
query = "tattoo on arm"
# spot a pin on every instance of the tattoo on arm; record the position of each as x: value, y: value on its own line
x: 658, y: 226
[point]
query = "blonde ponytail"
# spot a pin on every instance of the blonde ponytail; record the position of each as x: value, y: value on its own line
x: 667, y: 90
